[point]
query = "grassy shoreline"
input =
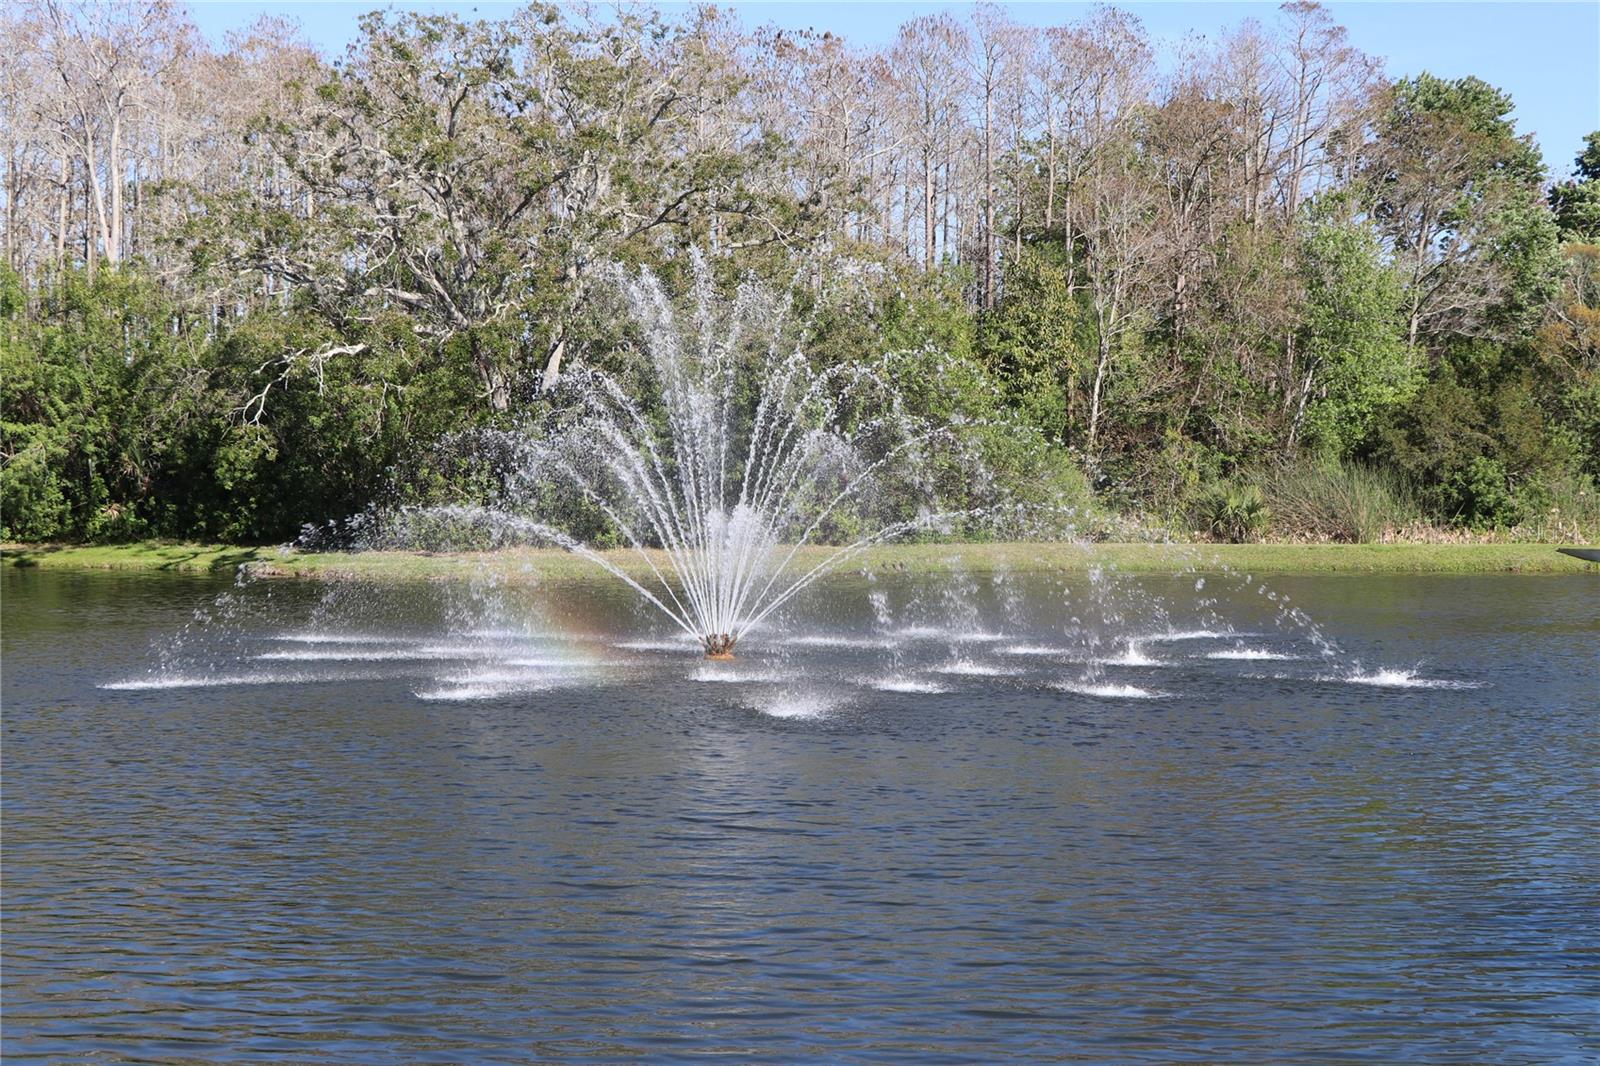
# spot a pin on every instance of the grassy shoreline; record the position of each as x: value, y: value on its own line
x: 552, y: 564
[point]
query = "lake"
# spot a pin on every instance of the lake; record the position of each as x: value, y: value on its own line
x: 1037, y: 818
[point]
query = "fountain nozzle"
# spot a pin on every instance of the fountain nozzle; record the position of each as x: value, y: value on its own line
x: 719, y: 645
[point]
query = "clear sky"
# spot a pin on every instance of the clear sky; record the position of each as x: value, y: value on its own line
x: 1545, y: 54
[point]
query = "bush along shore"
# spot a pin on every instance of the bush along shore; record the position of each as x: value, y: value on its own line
x: 535, y: 564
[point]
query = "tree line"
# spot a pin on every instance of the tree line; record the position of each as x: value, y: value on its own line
x: 243, y: 285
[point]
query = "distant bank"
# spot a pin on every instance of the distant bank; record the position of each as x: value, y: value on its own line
x: 536, y: 563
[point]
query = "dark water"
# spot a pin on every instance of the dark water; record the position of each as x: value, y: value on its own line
x: 484, y: 832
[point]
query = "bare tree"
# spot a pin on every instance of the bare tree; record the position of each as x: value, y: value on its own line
x: 29, y: 150
x: 925, y: 59
x: 107, y: 60
x: 996, y: 71
x: 1330, y: 84
x: 1113, y: 207
x: 1189, y: 140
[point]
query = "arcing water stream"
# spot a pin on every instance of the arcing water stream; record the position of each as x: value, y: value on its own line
x: 718, y: 465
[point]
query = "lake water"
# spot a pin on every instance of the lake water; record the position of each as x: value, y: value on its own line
x: 935, y: 821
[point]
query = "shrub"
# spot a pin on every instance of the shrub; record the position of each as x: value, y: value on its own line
x: 1563, y: 508
x: 1328, y: 500
x: 1477, y: 437
x: 1231, y: 512
x: 1483, y: 492
x: 1167, y: 480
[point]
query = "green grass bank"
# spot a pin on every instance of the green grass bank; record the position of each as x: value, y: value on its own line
x: 551, y: 564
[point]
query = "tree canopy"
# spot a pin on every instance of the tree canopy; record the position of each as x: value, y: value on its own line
x: 244, y: 287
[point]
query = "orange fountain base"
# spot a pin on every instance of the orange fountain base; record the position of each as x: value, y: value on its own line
x: 719, y: 645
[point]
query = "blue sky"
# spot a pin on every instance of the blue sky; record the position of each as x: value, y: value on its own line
x: 1545, y: 54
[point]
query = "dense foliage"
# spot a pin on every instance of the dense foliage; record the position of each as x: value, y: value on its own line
x: 1270, y: 293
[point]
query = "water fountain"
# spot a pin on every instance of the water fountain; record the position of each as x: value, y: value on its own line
x: 733, y: 471
x: 729, y: 475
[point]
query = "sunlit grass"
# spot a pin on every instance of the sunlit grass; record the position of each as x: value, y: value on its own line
x: 550, y: 564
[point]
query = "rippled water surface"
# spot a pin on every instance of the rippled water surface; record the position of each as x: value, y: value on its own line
x: 964, y: 820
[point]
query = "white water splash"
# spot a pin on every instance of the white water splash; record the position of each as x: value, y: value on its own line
x: 1132, y: 656
x: 340, y: 638
x: 1189, y: 634
x: 830, y: 640
x: 1036, y: 650
x: 1251, y: 655
x: 1397, y: 678
x: 559, y: 662
x: 498, y: 684
x: 540, y: 678
x: 968, y: 668
x: 740, y: 456
x: 735, y: 675
x: 677, y: 644
x: 367, y: 656
x: 798, y: 705
x: 1110, y: 691
x: 910, y: 685
x: 491, y: 691
x: 945, y: 633
x: 171, y: 681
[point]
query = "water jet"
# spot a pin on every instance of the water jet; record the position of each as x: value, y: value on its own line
x: 732, y: 471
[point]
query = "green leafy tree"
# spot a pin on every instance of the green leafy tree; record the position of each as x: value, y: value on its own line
x: 886, y: 305
x: 1457, y: 195
x: 1576, y: 202
x: 1030, y: 342
x: 1220, y: 391
x: 1477, y: 439
x: 471, y: 176
x: 1351, y: 361
x: 1569, y: 352
x: 105, y: 392
x: 36, y: 435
